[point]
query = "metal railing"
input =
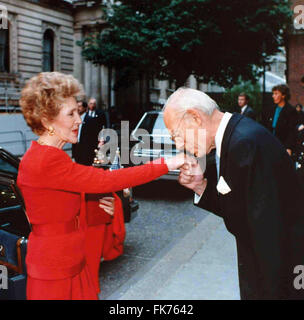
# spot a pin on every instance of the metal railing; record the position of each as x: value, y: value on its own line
x: 9, y: 96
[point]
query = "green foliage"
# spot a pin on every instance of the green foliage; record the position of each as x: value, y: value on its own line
x: 215, y: 40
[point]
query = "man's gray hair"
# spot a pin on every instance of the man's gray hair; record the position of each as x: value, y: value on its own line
x: 187, y: 98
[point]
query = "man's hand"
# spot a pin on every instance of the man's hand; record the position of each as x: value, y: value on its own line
x: 176, y: 162
x: 289, y: 151
x: 107, y: 204
x: 192, y: 177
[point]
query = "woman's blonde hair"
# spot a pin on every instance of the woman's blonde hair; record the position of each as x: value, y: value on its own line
x: 42, y: 97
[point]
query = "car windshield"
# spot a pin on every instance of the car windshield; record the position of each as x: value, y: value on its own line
x: 154, y: 124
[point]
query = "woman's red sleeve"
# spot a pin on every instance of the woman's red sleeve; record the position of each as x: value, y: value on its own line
x: 60, y: 172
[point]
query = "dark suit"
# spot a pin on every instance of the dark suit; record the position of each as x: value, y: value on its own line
x: 83, y: 151
x: 249, y: 112
x: 286, y: 126
x: 103, y: 116
x: 264, y: 210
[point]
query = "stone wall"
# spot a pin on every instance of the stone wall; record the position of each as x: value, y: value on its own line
x: 27, y: 24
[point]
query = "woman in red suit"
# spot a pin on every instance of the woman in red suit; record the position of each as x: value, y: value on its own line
x: 52, y: 186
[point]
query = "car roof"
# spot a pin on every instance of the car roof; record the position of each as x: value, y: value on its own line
x: 154, y: 112
x: 12, y: 159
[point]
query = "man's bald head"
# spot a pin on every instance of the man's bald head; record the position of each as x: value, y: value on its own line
x: 192, y: 118
x: 185, y: 99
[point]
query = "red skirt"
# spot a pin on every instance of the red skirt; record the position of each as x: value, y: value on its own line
x: 78, y: 287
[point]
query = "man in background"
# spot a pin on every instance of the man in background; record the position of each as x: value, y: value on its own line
x: 245, y: 109
x: 83, y: 151
x: 281, y: 118
x: 102, y: 116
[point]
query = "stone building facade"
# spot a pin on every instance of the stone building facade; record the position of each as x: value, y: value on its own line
x: 28, y: 24
x: 42, y: 35
x: 39, y: 37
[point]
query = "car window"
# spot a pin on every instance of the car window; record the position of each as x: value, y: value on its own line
x: 12, y: 216
x: 154, y: 124
x: 7, y: 167
x: 148, y: 122
x: 160, y: 125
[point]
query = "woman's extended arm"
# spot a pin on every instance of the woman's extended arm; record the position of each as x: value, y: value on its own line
x: 60, y: 172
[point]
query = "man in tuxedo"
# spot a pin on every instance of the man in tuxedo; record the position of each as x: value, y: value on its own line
x: 281, y: 117
x: 253, y: 186
x: 245, y: 109
x: 102, y: 116
x: 83, y: 151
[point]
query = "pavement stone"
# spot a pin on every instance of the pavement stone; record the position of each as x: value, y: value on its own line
x: 200, y: 266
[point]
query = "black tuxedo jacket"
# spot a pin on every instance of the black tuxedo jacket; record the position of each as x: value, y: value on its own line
x: 286, y: 126
x: 264, y: 210
x: 249, y: 112
x: 83, y: 151
x: 102, y: 116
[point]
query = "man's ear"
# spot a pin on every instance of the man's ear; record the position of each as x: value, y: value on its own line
x: 195, y: 116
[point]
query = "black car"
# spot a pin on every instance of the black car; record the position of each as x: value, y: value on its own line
x: 12, y: 211
x: 14, y: 228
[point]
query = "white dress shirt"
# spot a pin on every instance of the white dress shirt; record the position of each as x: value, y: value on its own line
x: 243, y: 109
x: 92, y: 113
x: 80, y: 126
x: 218, y: 147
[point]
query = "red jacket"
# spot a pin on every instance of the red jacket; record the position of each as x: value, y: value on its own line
x: 52, y: 184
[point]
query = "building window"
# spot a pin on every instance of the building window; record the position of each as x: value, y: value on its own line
x: 48, y: 51
x: 4, y: 50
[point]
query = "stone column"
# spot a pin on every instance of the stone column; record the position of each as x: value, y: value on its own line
x: 104, y: 84
x: 87, y: 78
x: 96, y: 84
x: 78, y: 59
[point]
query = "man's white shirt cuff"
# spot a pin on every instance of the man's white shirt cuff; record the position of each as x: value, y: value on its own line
x: 197, y: 198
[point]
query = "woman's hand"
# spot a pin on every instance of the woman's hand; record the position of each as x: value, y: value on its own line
x: 176, y: 162
x: 107, y: 204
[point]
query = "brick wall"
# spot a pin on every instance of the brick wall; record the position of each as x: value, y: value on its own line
x: 296, y: 61
x: 296, y: 68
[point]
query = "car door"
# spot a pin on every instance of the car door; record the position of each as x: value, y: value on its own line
x: 12, y: 211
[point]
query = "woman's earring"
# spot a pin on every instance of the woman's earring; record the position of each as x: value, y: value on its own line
x: 51, y: 131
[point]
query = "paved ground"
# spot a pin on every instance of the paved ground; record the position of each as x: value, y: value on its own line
x: 201, y: 266
x: 173, y: 250
x: 166, y: 213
